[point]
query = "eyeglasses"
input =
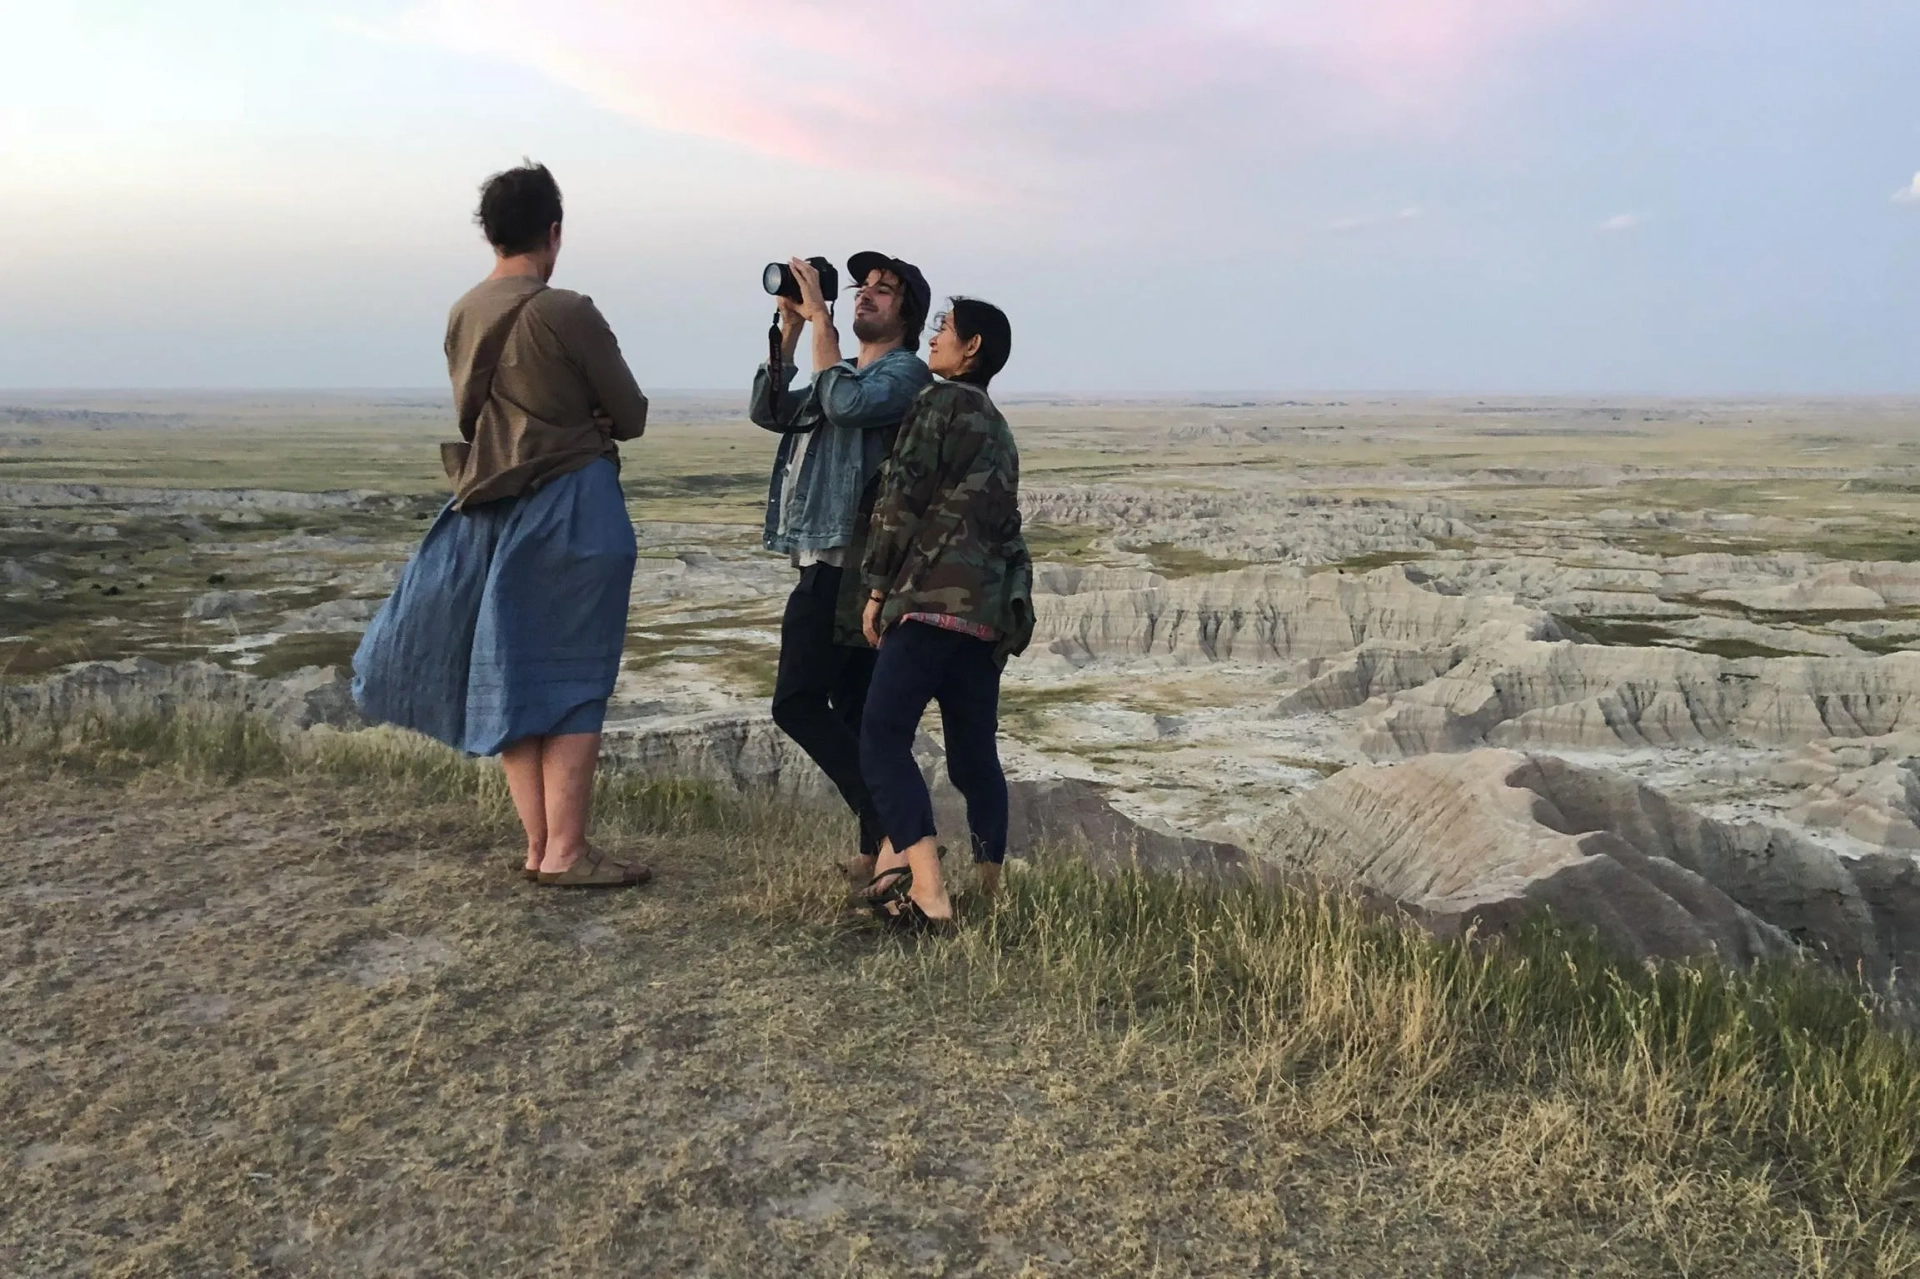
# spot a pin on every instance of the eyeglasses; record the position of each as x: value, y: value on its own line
x: 937, y: 321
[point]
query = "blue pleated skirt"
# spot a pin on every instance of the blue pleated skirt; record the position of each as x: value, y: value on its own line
x: 509, y: 621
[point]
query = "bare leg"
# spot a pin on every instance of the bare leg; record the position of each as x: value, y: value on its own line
x: 566, y: 771
x: 929, y: 892
x: 521, y: 762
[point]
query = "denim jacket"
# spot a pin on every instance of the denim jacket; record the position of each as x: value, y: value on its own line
x: 857, y: 412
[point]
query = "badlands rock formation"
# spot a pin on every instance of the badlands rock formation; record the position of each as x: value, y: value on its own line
x: 1484, y: 839
x: 30, y: 496
x: 736, y: 750
x: 1615, y: 582
x: 1256, y: 524
x: 1429, y: 663
x: 139, y: 686
x: 215, y: 604
x: 1549, y: 595
x: 744, y: 753
x: 1268, y: 615
x: 1426, y: 669
x: 1867, y: 788
x: 1589, y: 696
x: 342, y: 616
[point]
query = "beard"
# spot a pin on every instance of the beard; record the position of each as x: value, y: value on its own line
x: 873, y: 328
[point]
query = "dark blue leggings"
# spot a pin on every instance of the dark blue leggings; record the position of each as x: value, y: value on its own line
x: 920, y: 664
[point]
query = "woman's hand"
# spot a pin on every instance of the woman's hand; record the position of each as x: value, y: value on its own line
x: 813, y: 303
x: 870, y: 621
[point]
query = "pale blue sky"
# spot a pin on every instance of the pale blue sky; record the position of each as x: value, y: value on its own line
x: 1451, y: 195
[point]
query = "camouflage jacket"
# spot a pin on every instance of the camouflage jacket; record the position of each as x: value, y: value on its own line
x: 946, y: 527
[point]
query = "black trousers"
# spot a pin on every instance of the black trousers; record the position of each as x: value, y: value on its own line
x: 821, y: 692
x: 920, y: 664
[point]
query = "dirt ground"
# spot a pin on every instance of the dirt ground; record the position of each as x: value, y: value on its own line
x: 283, y: 1028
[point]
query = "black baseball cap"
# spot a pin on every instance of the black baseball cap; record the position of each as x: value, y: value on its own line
x: 860, y: 265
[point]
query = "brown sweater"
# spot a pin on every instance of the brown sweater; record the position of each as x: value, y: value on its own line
x: 533, y: 420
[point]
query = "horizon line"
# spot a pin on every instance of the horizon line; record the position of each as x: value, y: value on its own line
x: 1256, y: 393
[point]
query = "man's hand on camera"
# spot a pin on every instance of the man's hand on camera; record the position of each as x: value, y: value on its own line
x: 813, y: 303
x: 791, y: 321
x: 792, y: 324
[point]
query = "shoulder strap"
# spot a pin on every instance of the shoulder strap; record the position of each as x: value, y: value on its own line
x: 470, y: 412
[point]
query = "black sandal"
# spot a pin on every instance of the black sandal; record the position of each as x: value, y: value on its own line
x: 859, y: 887
x: 887, y: 888
x: 910, y: 919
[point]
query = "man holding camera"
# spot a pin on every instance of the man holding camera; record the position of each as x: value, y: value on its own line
x: 834, y: 436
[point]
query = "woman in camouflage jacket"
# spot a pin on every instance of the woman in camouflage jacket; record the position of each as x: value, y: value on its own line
x: 950, y: 599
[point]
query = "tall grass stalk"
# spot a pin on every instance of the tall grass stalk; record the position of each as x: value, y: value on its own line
x: 1785, y: 1063
x: 201, y: 747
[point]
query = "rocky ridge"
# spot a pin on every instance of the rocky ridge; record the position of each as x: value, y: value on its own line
x: 1484, y: 839
x: 740, y: 752
x: 139, y: 686
x: 1267, y: 615
x: 1254, y: 525
x: 49, y: 494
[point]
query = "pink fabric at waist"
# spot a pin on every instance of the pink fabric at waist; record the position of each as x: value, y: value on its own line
x: 949, y: 623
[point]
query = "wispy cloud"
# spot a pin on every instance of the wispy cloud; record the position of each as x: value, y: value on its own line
x: 1022, y: 91
x: 1909, y: 194
x: 1624, y: 222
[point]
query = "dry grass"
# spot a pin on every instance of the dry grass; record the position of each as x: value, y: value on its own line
x: 278, y: 1008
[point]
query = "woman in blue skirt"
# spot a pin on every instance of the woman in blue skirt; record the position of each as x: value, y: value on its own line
x: 505, y: 633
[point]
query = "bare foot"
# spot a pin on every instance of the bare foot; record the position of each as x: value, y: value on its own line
x: 929, y: 891
x: 557, y: 859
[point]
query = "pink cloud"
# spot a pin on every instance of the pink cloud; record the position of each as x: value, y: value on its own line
x: 1019, y: 90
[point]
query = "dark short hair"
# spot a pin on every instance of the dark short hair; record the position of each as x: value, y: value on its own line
x: 517, y: 207
x: 913, y: 316
x: 972, y: 319
x: 913, y: 311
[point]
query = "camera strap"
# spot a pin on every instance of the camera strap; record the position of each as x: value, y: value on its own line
x: 776, y: 382
x: 475, y: 394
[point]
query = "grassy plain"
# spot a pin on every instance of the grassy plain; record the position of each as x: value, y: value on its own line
x: 697, y: 462
x: 387, y: 1055
x: 702, y: 461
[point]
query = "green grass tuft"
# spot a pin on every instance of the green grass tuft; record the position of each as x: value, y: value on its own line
x: 1787, y: 1065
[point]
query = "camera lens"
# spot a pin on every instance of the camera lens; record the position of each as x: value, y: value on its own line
x: 774, y: 278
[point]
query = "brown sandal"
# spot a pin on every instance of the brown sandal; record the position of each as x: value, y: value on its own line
x: 594, y: 869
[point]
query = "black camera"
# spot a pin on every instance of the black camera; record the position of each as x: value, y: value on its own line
x: 778, y: 280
